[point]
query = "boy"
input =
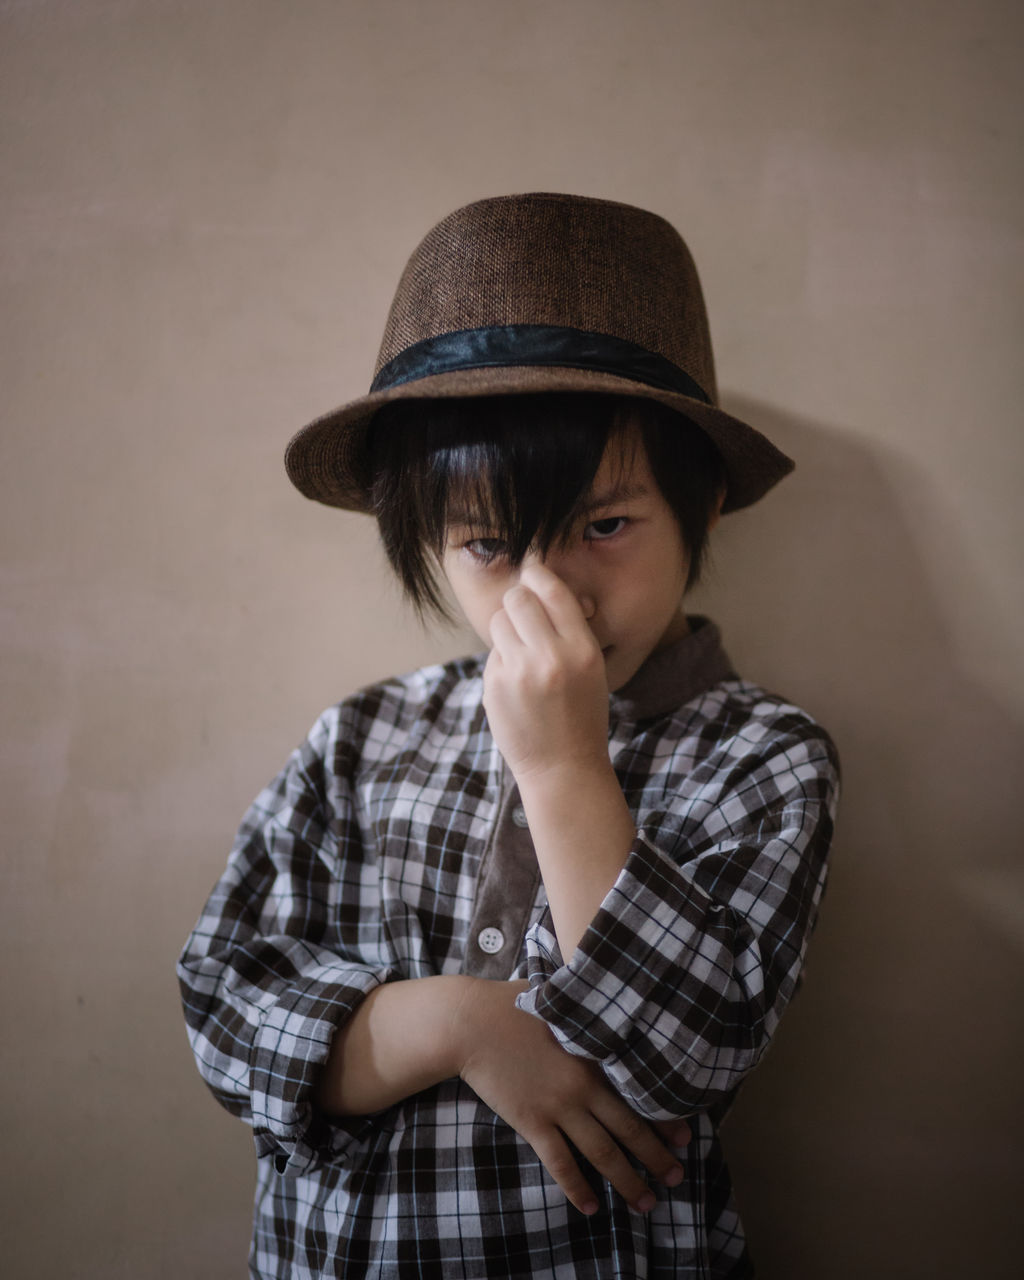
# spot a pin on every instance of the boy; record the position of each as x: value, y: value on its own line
x: 506, y: 934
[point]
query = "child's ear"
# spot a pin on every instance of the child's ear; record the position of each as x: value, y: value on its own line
x: 716, y: 509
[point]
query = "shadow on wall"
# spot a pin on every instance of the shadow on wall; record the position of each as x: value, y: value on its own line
x: 882, y: 1135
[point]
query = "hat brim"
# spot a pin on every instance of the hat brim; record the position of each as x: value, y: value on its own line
x: 323, y: 460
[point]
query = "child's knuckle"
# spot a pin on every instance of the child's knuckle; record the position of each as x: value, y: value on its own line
x: 549, y: 673
x: 634, y: 1129
x: 591, y: 660
x: 604, y: 1152
x: 562, y: 1168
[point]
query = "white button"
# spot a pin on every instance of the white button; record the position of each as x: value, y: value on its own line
x: 490, y: 940
x: 519, y: 816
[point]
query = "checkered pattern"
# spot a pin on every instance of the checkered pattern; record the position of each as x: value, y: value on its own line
x: 361, y: 863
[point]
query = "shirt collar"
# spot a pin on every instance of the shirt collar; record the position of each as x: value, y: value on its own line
x: 672, y: 676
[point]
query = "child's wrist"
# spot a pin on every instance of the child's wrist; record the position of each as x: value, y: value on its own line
x: 451, y: 995
x: 565, y: 781
x: 471, y: 1015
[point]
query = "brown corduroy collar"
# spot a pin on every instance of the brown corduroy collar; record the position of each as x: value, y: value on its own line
x: 674, y: 675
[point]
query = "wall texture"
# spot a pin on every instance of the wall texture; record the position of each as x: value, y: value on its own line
x: 205, y: 208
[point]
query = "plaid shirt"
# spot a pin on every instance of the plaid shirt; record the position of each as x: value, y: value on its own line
x: 393, y: 845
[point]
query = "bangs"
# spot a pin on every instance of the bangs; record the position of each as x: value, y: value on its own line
x: 512, y: 468
x: 519, y: 469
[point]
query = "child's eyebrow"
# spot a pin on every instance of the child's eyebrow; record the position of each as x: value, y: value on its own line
x: 609, y: 497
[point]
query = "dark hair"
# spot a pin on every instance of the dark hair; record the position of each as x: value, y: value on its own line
x: 527, y: 460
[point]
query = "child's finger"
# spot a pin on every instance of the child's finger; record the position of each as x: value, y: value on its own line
x: 601, y: 1149
x: 558, y: 600
x: 554, y: 1154
x: 504, y: 636
x: 528, y: 615
x: 633, y: 1133
x: 676, y: 1133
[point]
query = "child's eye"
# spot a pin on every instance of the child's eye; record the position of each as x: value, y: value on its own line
x: 606, y: 528
x: 486, y: 550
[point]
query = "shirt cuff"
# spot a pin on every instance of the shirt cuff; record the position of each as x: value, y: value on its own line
x: 657, y: 943
x: 289, y: 1050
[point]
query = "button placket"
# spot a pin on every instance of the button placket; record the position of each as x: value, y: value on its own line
x: 505, y: 893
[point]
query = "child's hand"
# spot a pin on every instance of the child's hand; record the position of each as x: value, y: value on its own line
x: 514, y: 1064
x: 546, y: 698
x: 545, y: 687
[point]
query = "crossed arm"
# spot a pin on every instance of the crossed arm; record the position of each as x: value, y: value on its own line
x: 546, y: 698
x: 409, y: 1035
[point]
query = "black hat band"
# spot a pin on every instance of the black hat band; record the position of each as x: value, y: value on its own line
x: 501, y: 346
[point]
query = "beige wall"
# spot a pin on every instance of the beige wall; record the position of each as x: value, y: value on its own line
x: 205, y: 209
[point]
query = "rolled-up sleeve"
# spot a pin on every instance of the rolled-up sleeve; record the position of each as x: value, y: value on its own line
x: 268, y: 974
x: 677, y: 987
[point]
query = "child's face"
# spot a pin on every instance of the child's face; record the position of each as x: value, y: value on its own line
x: 624, y: 561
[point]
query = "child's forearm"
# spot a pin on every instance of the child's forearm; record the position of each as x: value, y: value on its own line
x: 546, y: 698
x: 407, y: 1036
x: 398, y: 1042
x: 582, y: 831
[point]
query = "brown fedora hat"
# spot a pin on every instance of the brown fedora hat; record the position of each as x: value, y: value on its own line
x: 535, y: 293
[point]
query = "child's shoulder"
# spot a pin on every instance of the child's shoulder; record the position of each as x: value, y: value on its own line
x: 741, y: 702
x: 443, y: 697
x: 455, y: 682
x: 744, y: 720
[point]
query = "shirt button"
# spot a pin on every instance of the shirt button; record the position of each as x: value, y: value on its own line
x: 519, y: 816
x: 490, y: 940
